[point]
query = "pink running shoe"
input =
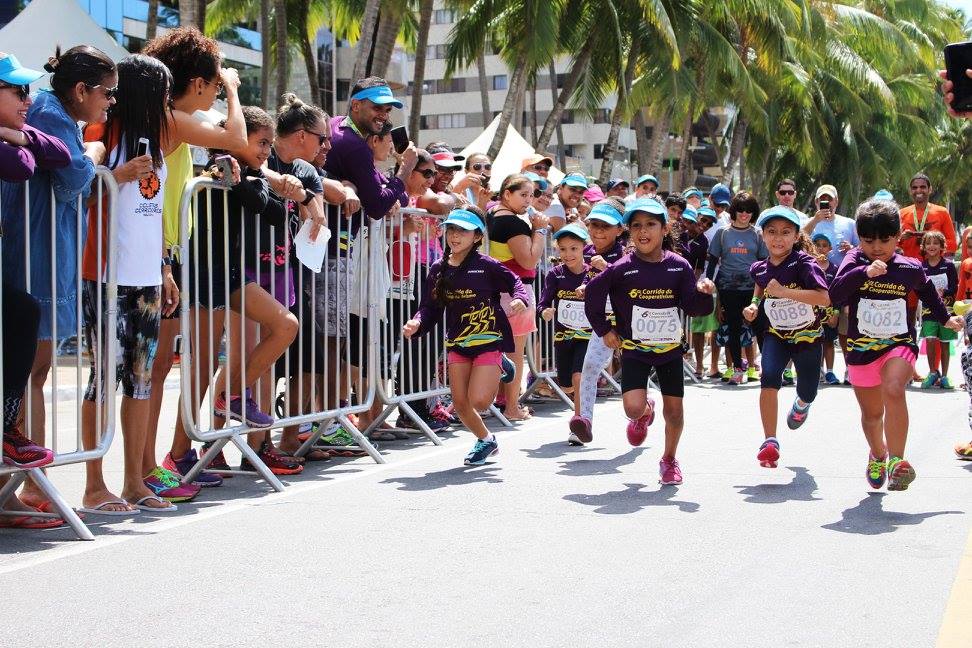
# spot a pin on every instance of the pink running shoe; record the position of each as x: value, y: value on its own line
x: 769, y: 453
x: 671, y: 473
x: 581, y: 427
x: 638, y: 429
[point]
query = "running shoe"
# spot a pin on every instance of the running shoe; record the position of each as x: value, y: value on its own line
x: 669, y: 471
x: 21, y: 452
x: 727, y: 375
x: 481, y: 452
x: 166, y: 485
x: 738, y: 377
x: 442, y: 413
x: 797, y: 415
x: 930, y: 380
x: 183, y: 465
x: 243, y: 409
x: 340, y: 443
x: 436, y: 425
x: 900, y: 474
x: 877, y: 471
x: 788, y: 377
x: 219, y: 462
x: 964, y: 451
x: 581, y: 428
x: 509, y: 369
x: 945, y: 383
x: 769, y: 453
x: 573, y: 440
x: 752, y: 374
x: 638, y: 428
x: 278, y: 463
x: 831, y: 379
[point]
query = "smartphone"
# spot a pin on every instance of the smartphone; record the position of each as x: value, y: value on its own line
x: 143, y: 147
x: 485, y: 182
x: 958, y: 59
x: 226, y: 169
x: 399, y: 138
x: 824, y: 204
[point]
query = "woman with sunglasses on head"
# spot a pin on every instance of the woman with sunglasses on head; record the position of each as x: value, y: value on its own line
x: 83, y: 88
x: 23, y: 150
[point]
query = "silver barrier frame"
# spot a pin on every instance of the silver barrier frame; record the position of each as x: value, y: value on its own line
x: 104, y: 180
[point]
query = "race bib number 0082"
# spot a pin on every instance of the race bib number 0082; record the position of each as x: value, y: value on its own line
x: 656, y: 325
x: 882, y: 318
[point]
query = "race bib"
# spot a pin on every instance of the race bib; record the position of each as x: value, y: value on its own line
x: 882, y: 318
x: 788, y: 315
x: 656, y: 325
x: 940, y: 281
x: 571, y: 314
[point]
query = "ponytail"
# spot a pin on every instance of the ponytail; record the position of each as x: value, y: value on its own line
x: 80, y: 64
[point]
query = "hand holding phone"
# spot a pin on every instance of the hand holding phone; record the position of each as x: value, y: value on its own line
x: 399, y: 137
x: 143, y: 147
x: 224, y: 164
x: 958, y: 59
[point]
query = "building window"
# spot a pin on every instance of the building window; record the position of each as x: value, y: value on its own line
x: 450, y: 120
x: 443, y: 17
x: 602, y: 116
x: 435, y: 52
x: 567, y: 117
x: 598, y: 150
x: 500, y: 82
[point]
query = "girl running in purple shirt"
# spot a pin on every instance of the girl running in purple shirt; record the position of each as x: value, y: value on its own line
x: 874, y: 282
x: 792, y: 291
x: 467, y: 286
x: 647, y: 288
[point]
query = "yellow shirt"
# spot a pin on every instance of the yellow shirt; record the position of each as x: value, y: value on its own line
x: 179, y: 164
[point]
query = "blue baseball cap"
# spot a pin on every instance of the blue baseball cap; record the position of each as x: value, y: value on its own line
x: 720, y: 195
x: 574, y: 180
x: 380, y: 95
x: 604, y: 212
x: 647, y: 205
x: 465, y: 219
x: 13, y: 73
x: 537, y: 180
x: 883, y: 194
x: 574, y: 230
x: 692, y: 191
x: 614, y: 182
x: 820, y: 236
x: 707, y: 211
x: 779, y: 211
x: 690, y: 215
x: 646, y: 178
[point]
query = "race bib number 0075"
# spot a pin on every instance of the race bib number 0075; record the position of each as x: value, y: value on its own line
x: 656, y: 325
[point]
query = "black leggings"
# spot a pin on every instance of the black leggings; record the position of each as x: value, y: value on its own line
x: 733, y: 303
x: 21, y: 317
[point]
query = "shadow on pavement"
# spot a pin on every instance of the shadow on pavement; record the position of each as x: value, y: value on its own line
x: 555, y: 449
x: 870, y: 518
x: 800, y: 489
x: 593, y: 467
x: 632, y: 499
x: 458, y: 476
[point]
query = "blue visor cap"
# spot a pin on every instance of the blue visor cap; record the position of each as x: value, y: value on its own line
x: 605, y: 213
x: 884, y: 194
x: 541, y: 183
x: 465, y: 219
x: 646, y: 178
x: 720, y: 195
x: 689, y: 193
x: 647, y: 205
x: 574, y: 230
x: 690, y: 215
x: 707, y: 211
x: 614, y: 182
x: 13, y: 73
x: 380, y: 95
x: 820, y: 236
x: 779, y: 212
x: 574, y: 180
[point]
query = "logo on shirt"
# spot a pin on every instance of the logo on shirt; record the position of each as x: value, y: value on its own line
x: 629, y: 272
x: 149, y: 186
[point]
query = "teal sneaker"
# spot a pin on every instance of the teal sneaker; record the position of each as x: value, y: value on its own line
x: 931, y: 380
x: 945, y: 383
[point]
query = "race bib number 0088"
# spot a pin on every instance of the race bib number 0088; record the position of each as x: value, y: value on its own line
x: 788, y: 315
x: 882, y: 318
x: 656, y: 325
x: 571, y: 314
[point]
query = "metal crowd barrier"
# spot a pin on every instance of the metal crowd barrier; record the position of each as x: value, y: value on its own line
x: 318, y: 366
x: 60, y: 418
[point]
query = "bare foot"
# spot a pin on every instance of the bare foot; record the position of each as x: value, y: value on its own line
x: 92, y: 500
x: 34, y: 497
x: 517, y: 415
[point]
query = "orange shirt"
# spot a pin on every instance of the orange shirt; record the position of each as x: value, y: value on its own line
x: 935, y: 217
x: 965, y: 281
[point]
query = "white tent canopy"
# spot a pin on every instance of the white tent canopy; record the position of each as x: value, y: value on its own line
x: 510, y: 157
x: 36, y: 31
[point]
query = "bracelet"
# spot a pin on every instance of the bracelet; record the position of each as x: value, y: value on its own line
x: 756, y: 300
x: 542, y: 230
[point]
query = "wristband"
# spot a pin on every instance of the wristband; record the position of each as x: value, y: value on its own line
x: 542, y: 230
x: 308, y: 197
x: 756, y: 300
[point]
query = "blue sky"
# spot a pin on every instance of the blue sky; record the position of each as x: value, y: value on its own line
x: 961, y: 4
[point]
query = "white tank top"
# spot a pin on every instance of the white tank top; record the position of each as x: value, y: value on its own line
x: 139, y: 223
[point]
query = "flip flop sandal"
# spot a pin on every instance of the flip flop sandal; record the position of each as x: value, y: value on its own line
x: 400, y: 435
x: 21, y: 522
x: 100, y: 509
x: 316, y: 454
x: 347, y: 453
x: 142, y: 506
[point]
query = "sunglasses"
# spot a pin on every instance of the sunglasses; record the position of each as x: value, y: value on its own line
x: 482, y: 167
x: 428, y: 174
x: 109, y: 92
x: 537, y: 193
x: 22, y: 91
x: 320, y: 138
x: 541, y: 167
x: 786, y: 192
x: 444, y: 170
x: 219, y: 85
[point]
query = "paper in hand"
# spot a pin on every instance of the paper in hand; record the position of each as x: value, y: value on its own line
x: 311, y: 252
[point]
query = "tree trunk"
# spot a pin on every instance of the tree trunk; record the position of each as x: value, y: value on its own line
x: 418, y: 76
x: 152, y: 24
x: 388, y: 28
x: 570, y: 83
x: 201, y: 15
x: 736, y: 146
x: 561, y: 154
x: 624, y: 89
x: 308, y: 52
x: 659, y: 136
x: 513, y: 93
x: 368, y: 20
x: 686, y: 171
x: 642, y: 142
x: 533, y: 110
x: 188, y: 10
x: 484, y: 86
x: 283, y: 52
x: 265, y: 59
x: 724, y: 169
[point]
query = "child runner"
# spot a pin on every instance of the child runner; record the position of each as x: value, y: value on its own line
x: 561, y: 298
x: 822, y: 246
x: 964, y: 450
x: 874, y: 282
x: 647, y: 287
x: 604, y: 224
x: 789, y: 284
x: 468, y: 285
x: 938, y: 339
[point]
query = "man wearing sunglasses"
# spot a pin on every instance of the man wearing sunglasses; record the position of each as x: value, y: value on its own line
x: 536, y: 163
x: 563, y: 208
x: 786, y: 194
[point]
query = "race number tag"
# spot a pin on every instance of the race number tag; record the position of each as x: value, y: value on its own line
x: 656, y: 325
x: 882, y: 318
x: 571, y: 314
x: 940, y: 281
x: 788, y: 314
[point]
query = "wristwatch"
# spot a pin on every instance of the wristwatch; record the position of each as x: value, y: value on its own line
x: 542, y: 230
x: 166, y: 260
x: 309, y: 197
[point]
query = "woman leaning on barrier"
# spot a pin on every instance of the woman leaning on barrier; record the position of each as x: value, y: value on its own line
x: 35, y: 252
x: 23, y: 149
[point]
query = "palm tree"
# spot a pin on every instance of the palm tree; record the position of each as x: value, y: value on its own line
x: 483, y: 86
x: 152, y: 21
x: 283, y: 57
x: 369, y: 22
x: 193, y: 13
x: 418, y: 78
